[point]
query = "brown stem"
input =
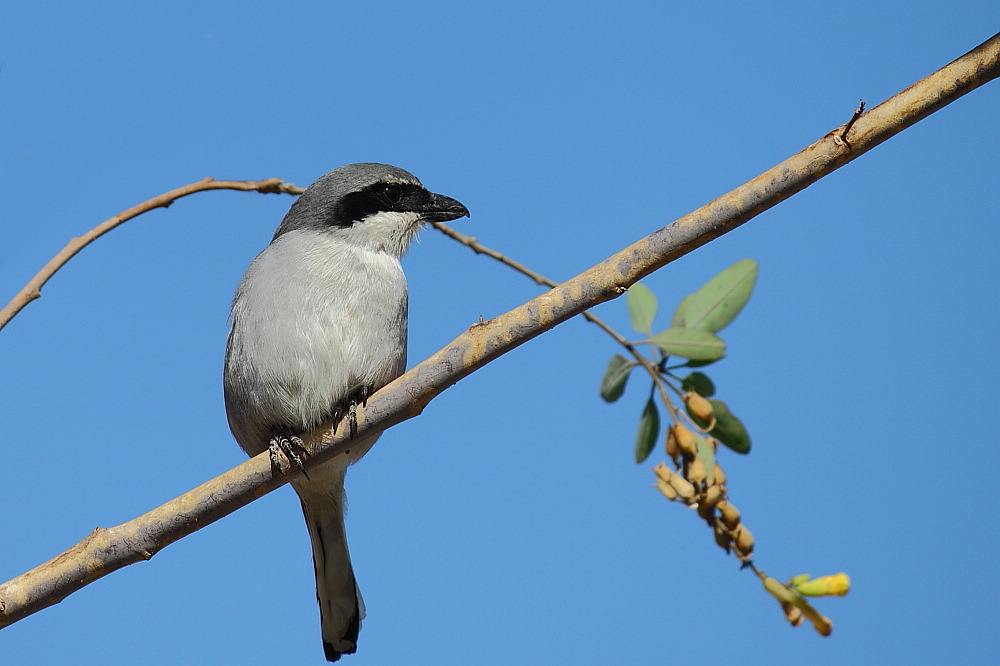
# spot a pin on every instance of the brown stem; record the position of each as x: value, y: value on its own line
x: 33, y: 289
x: 479, y: 248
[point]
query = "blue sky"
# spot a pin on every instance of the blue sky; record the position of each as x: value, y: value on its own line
x: 509, y: 523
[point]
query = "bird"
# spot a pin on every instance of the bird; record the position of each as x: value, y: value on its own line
x: 318, y: 323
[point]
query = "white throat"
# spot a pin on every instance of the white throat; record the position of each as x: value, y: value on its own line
x: 389, y: 232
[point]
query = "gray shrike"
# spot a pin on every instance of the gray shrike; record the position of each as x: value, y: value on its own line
x: 318, y: 323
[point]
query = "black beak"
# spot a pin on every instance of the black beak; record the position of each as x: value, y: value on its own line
x: 440, y: 208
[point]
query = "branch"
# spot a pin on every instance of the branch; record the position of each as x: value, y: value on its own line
x: 33, y: 289
x: 479, y: 248
x: 106, y: 550
x: 646, y: 364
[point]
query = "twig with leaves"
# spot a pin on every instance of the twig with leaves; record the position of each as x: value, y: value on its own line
x: 698, y: 479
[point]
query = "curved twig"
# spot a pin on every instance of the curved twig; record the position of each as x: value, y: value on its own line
x: 33, y: 289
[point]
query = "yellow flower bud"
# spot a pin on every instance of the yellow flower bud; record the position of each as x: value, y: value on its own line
x: 836, y: 585
x: 795, y: 606
x: 798, y: 580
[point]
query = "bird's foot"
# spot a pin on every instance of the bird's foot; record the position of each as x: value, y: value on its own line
x: 292, y: 447
x: 350, y: 408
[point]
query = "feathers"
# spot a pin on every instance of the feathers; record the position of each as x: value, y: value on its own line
x: 340, y: 607
x: 314, y: 319
x: 320, y: 313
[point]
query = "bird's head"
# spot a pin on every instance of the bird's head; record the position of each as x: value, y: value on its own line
x: 377, y: 206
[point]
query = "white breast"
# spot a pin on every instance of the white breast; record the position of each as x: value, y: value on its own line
x: 314, y: 320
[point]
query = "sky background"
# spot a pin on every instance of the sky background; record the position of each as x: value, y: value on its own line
x: 509, y: 523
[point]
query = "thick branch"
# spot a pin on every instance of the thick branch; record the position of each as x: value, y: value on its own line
x: 33, y: 289
x: 107, y: 550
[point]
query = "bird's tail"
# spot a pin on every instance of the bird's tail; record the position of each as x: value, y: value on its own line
x: 340, y: 606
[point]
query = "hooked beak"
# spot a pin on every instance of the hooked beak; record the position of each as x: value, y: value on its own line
x: 440, y: 208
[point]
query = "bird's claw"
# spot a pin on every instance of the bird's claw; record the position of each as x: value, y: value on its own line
x: 292, y: 447
x: 349, y: 408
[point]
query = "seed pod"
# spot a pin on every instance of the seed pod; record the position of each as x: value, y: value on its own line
x: 792, y: 614
x: 696, y: 471
x: 778, y: 591
x: 722, y: 537
x: 685, y: 440
x: 719, y: 476
x: 821, y: 623
x: 730, y: 514
x: 680, y: 484
x: 673, y: 451
x: 662, y: 472
x: 744, y: 541
x: 712, y: 497
x: 666, y: 489
x: 699, y: 408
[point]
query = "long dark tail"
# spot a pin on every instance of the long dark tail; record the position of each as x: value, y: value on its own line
x: 340, y: 606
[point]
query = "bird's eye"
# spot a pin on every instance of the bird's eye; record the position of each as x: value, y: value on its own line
x: 393, y: 193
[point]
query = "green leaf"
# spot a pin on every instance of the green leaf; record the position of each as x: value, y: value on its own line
x: 678, y: 318
x: 728, y: 428
x: 717, y: 303
x: 699, y: 364
x: 706, y: 454
x: 649, y: 429
x: 641, y: 307
x: 699, y: 383
x: 690, y: 343
x: 613, y: 383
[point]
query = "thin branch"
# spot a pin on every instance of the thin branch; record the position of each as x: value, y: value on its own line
x: 107, y: 550
x: 33, y: 289
x: 664, y: 396
x: 540, y: 279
